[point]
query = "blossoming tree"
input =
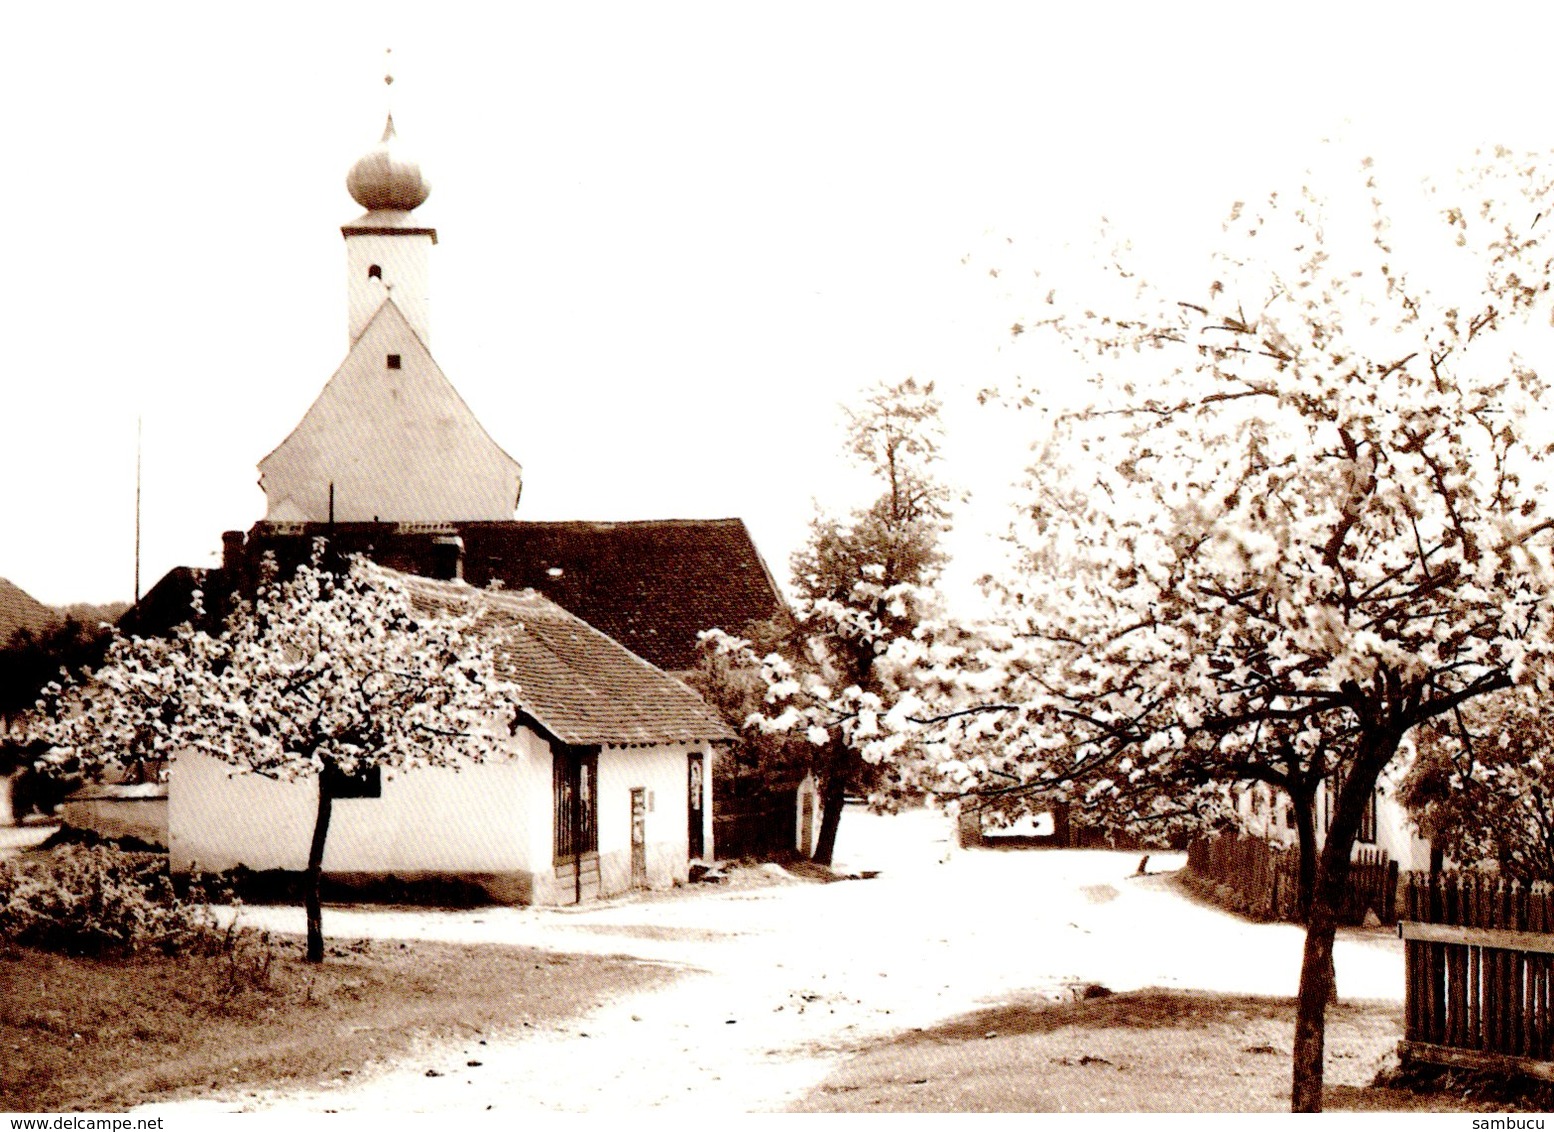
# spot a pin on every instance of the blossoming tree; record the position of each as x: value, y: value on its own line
x: 849, y: 719
x: 324, y: 675
x: 863, y: 583
x: 1482, y: 788
x: 1302, y: 516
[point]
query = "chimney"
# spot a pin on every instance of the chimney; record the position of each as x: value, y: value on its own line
x: 231, y: 552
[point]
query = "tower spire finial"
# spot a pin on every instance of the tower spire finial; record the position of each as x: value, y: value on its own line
x: 385, y: 179
x: 388, y: 83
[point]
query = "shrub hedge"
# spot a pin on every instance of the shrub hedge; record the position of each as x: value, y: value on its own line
x: 100, y: 900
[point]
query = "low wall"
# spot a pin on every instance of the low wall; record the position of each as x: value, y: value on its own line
x: 1055, y: 828
x: 426, y: 888
x: 115, y: 812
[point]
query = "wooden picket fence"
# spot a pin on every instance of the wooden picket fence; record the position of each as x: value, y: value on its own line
x: 760, y: 826
x: 1249, y: 874
x: 1479, y: 962
x: 1372, y: 887
x: 1262, y: 880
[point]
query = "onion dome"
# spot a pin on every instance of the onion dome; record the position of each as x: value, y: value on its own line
x: 385, y: 180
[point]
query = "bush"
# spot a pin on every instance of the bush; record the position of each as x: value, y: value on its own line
x: 98, y: 900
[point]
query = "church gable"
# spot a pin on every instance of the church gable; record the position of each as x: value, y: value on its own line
x: 394, y: 438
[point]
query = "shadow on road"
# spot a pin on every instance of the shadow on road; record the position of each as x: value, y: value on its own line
x: 1149, y: 1050
x: 1148, y: 1009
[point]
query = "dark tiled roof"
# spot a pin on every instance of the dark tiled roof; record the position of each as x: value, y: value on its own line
x: 578, y: 684
x: 169, y: 603
x: 651, y: 585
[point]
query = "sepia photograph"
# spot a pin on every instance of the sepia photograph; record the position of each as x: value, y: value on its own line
x: 728, y: 558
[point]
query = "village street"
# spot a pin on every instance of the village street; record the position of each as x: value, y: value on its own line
x: 782, y: 981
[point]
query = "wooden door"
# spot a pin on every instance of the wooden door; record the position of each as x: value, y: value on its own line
x: 807, y: 822
x: 694, y: 806
x: 639, y: 877
x: 576, y: 821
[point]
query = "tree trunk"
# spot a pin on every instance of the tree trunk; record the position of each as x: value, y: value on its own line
x: 1316, y: 969
x: 1316, y: 977
x: 833, y: 796
x: 312, y: 883
x: 1304, y: 805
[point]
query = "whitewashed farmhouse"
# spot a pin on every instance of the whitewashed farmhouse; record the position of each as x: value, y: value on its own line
x: 601, y: 788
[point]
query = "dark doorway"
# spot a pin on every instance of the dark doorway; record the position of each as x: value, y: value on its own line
x: 807, y: 822
x: 575, y: 778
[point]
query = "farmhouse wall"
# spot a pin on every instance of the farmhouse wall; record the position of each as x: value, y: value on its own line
x: 661, y: 771
x: 478, y: 822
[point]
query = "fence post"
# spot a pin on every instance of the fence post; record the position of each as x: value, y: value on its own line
x: 1411, y: 966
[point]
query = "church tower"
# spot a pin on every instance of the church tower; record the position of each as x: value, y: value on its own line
x: 389, y: 439
x: 388, y: 252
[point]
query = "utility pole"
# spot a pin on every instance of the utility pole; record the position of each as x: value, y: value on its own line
x: 137, y: 510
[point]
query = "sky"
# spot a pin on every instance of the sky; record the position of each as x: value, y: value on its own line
x: 674, y: 238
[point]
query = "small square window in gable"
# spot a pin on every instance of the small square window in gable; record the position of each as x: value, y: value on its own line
x: 393, y: 361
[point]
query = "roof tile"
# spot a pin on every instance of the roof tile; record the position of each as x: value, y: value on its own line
x: 579, y: 685
x: 652, y: 585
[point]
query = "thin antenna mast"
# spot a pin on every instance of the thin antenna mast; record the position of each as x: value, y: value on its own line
x: 137, y: 510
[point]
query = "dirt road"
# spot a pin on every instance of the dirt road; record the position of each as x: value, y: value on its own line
x: 781, y: 982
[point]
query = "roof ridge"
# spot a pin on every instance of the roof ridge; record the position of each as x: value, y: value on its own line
x: 723, y: 520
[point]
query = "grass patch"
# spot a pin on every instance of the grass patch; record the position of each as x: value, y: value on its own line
x: 1144, y: 1051
x: 86, y: 1034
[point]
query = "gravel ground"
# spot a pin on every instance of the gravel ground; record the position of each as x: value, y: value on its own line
x: 783, y: 980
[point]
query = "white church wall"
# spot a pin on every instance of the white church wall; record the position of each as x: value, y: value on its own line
x: 1397, y: 834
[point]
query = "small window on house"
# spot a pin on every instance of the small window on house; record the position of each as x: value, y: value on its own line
x: 366, y: 782
x: 374, y: 272
x: 393, y: 361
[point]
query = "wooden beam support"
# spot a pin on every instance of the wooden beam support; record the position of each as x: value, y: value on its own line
x: 1475, y: 1060
x: 1541, y: 943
